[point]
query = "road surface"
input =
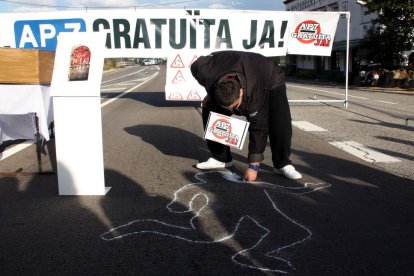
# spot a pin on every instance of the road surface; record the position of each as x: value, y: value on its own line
x: 163, y: 216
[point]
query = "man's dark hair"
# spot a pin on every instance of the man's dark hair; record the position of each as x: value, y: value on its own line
x: 227, y: 92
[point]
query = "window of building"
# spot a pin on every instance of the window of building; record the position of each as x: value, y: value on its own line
x: 333, y: 7
x: 336, y: 60
x: 345, y: 6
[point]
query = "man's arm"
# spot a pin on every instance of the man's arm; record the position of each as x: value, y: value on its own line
x: 258, y: 132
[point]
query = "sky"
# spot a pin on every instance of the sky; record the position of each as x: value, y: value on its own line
x: 50, y: 5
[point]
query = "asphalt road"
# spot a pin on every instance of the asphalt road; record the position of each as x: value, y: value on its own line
x: 162, y: 216
x: 381, y: 121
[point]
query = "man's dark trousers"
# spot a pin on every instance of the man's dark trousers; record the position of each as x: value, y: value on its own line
x: 280, y: 129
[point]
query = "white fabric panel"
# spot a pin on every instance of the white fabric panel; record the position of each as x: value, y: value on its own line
x: 24, y: 101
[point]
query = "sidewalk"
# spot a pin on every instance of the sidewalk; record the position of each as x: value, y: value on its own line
x: 408, y: 91
x: 396, y: 90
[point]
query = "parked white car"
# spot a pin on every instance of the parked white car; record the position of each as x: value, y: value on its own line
x: 149, y: 61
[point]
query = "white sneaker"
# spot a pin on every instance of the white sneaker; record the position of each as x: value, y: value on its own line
x: 289, y: 172
x: 212, y: 163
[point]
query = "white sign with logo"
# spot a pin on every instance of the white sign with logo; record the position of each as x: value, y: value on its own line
x: 312, y: 34
x: 181, y: 35
x: 226, y: 130
x: 161, y: 32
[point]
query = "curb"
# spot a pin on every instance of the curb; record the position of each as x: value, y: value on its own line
x: 395, y: 90
x: 385, y: 90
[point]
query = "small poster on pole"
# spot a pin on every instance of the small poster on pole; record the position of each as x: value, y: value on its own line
x: 226, y: 130
x: 79, y: 63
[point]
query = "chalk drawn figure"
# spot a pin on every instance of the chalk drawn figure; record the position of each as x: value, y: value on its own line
x: 79, y: 63
x: 261, y: 231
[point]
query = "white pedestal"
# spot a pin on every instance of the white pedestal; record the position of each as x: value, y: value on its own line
x: 78, y: 124
x: 79, y: 154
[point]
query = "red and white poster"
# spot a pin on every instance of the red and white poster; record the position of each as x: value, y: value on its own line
x: 312, y: 33
x: 226, y: 130
x: 79, y: 63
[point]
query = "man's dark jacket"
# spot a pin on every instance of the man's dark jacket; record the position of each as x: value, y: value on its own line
x: 257, y: 75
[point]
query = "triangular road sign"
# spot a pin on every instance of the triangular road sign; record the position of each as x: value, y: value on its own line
x: 179, y: 78
x: 193, y: 96
x: 177, y: 63
x: 194, y: 59
x: 175, y: 96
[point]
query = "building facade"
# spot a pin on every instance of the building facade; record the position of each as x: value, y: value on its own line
x: 334, y: 66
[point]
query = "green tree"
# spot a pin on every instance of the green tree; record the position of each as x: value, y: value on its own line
x: 392, y: 31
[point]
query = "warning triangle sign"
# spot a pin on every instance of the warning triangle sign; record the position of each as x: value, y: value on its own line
x: 193, y: 96
x: 175, y: 96
x: 194, y: 59
x: 177, y: 62
x: 179, y: 78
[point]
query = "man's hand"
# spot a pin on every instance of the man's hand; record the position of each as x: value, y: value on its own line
x: 250, y: 175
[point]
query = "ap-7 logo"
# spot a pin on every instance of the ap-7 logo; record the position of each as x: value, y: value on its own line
x: 42, y: 34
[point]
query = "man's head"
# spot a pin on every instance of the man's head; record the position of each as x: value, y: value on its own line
x: 227, y: 93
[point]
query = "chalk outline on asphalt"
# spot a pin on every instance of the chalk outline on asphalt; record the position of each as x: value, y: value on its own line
x: 234, y: 178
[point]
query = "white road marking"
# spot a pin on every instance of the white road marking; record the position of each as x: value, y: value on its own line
x: 113, y: 89
x: 351, y: 147
x: 357, y: 97
x: 17, y: 148
x: 306, y: 126
x: 341, y: 94
x: 326, y: 91
x: 121, y: 85
x: 9, y: 152
x: 385, y: 102
x: 312, y: 89
x: 124, y: 76
x: 126, y: 92
x: 364, y: 152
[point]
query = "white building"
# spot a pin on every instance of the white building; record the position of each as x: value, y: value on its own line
x: 335, y: 64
